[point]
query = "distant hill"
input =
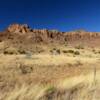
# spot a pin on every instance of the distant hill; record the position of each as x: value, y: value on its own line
x: 18, y: 35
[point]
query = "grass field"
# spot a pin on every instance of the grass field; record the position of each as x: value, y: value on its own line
x: 46, y: 76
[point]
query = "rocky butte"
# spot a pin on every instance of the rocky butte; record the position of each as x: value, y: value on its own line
x: 21, y: 34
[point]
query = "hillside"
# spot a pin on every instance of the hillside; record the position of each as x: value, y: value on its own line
x: 22, y: 37
x: 48, y: 64
x: 24, y: 34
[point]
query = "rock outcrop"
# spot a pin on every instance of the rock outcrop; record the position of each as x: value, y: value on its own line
x: 30, y: 36
x: 16, y: 28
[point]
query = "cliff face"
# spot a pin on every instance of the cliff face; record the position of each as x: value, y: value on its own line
x: 24, y: 33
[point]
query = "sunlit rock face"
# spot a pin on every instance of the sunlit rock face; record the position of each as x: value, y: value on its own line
x: 23, y: 33
x: 16, y: 28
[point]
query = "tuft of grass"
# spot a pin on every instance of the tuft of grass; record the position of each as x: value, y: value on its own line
x: 50, y: 89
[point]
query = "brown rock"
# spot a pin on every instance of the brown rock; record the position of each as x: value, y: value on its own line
x: 23, y: 34
x: 16, y: 28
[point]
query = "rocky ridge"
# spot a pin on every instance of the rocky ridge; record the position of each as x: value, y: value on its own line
x: 17, y: 33
x: 44, y: 34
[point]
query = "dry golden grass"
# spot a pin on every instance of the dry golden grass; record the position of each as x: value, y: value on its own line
x: 50, y: 77
x: 76, y: 88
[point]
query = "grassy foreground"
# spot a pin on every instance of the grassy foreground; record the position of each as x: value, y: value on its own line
x: 65, y: 76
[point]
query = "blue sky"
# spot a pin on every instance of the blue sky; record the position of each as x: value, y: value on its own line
x: 63, y: 15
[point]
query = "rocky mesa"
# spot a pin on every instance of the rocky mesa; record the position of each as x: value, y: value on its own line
x: 17, y: 33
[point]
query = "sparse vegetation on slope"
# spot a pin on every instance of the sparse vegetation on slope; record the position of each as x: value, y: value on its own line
x: 49, y: 65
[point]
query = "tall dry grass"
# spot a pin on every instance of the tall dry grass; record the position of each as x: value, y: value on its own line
x: 49, y: 77
x: 75, y: 88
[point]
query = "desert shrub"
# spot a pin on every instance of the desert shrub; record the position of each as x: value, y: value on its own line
x: 25, y: 68
x: 99, y: 52
x: 58, y: 51
x: 69, y: 64
x: 21, y: 51
x: 64, y: 51
x: 68, y: 51
x: 50, y: 89
x: 0, y: 40
x: 95, y: 51
x: 77, y: 53
x: 79, y: 47
x: 55, y: 51
x: 10, y: 50
x: 72, y: 52
x: 39, y: 49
